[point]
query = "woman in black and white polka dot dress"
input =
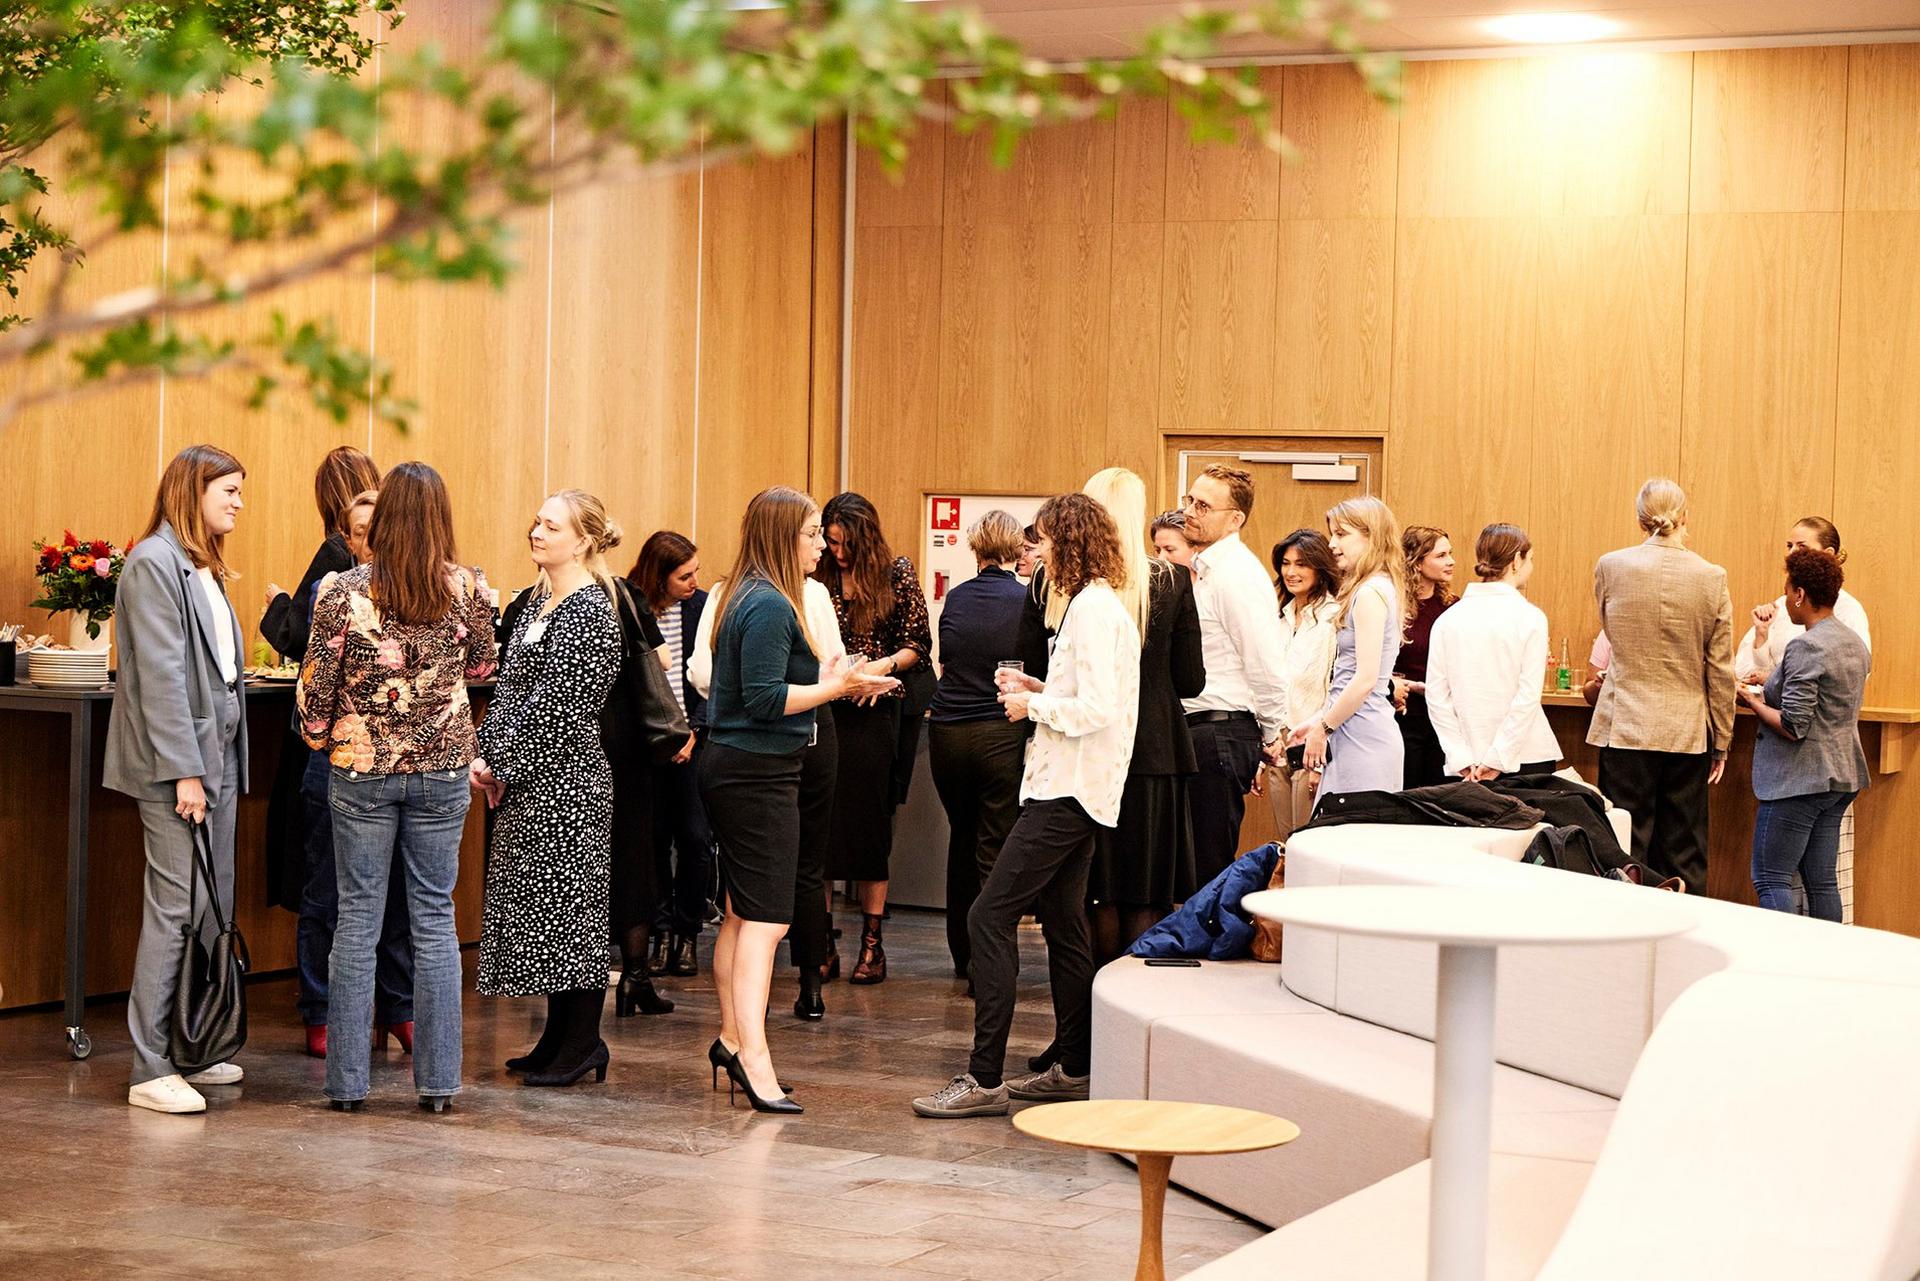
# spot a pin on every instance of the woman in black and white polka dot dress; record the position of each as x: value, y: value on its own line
x: 544, y: 926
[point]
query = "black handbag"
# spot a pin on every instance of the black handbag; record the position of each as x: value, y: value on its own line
x: 210, y: 1000
x: 663, y: 727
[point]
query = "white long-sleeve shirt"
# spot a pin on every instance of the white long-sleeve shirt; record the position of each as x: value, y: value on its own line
x: 1239, y: 637
x: 1308, y: 640
x: 1085, y: 716
x: 821, y: 621
x: 1764, y: 658
x: 1484, y: 667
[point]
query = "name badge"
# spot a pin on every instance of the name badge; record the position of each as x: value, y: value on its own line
x: 535, y: 632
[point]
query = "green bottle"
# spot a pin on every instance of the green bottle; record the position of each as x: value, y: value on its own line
x: 1563, y: 676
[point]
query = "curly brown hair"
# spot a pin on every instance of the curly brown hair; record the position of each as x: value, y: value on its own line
x: 1086, y: 544
x: 1818, y: 574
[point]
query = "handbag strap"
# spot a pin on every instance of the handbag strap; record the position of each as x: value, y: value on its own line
x: 203, y: 862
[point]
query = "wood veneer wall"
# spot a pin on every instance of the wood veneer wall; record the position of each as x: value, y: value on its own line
x: 1543, y: 281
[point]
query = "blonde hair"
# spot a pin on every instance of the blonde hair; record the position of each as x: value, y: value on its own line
x: 1368, y: 515
x: 1661, y: 507
x: 769, y: 536
x: 365, y: 498
x: 1124, y: 495
x: 591, y: 522
x: 996, y: 537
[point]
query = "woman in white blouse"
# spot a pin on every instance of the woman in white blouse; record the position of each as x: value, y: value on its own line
x: 1766, y: 640
x: 1484, y: 666
x: 1308, y: 582
x: 1084, y: 718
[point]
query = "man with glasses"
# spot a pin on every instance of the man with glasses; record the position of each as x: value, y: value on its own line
x: 1241, y: 715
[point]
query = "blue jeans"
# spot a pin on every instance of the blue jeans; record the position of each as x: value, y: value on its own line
x: 420, y: 817
x: 1799, y: 834
x: 320, y: 908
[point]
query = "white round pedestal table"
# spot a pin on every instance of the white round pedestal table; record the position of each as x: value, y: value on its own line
x: 1470, y: 924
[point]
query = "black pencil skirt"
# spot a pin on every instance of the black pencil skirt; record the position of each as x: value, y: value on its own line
x: 753, y: 803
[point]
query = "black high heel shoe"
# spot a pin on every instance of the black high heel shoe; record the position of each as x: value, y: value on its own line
x: 726, y: 1061
x: 345, y: 1105
x: 596, y: 1063
x: 435, y: 1102
x: 636, y: 995
x: 785, y: 1105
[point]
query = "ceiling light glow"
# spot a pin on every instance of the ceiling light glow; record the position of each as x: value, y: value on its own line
x: 1551, y: 28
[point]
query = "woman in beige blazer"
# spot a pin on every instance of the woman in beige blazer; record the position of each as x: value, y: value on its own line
x: 1664, y: 716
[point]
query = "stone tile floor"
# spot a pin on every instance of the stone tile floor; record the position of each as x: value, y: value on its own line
x: 651, y: 1175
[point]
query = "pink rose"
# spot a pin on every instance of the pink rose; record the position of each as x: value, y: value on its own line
x: 390, y: 655
x: 103, y: 569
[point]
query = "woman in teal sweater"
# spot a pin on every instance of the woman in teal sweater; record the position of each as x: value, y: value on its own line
x: 767, y: 680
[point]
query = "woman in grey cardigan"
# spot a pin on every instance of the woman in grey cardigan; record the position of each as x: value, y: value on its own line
x: 1807, y: 761
x: 177, y: 742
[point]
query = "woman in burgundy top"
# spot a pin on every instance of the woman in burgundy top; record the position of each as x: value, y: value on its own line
x: 1430, y: 571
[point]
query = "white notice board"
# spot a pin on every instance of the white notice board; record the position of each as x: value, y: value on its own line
x: 945, y: 558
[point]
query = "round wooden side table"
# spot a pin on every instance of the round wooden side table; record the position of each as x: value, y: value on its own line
x: 1155, y: 1132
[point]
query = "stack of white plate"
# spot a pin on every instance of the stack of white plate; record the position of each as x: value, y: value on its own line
x: 67, y: 668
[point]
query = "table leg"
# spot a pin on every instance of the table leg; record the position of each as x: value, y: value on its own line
x: 79, y: 799
x: 1154, y: 1168
x: 1462, y: 1114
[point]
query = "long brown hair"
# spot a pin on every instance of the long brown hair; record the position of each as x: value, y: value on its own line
x: 769, y: 536
x: 345, y: 473
x: 1086, y: 544
x: 1311, y: 547
x: 183, y: 485
x: 1418, y: 544
x: 867, y: 584
x: 664, y: 552
x: 1368, y: 515
x: 411, y: 537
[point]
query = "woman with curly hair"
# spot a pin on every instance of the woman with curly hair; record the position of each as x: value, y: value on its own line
x: 1084, y: 718
x: 883, y: 616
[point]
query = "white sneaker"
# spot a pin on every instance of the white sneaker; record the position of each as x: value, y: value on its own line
x: 166, y: 1094
x: 218, y: 1074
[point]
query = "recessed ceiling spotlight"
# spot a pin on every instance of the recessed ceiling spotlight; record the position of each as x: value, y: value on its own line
x: 1551, y: 28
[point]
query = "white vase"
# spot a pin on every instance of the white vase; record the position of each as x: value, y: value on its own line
x: 77, y: 636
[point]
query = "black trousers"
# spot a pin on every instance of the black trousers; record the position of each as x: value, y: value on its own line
x: 1425, y: 760
x: 682, y: 848
x: 807, y: 941
x: 1229, y: 757
x: 1042, y: 868
x: 976, y: 769
x: 1666, y: 793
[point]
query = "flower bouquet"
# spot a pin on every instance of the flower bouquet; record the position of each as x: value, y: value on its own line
x: 79, y: 576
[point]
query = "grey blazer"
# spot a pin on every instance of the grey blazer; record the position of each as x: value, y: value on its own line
x: 169, y: 705
x: 1818, y: 688
x: 1668, y: 616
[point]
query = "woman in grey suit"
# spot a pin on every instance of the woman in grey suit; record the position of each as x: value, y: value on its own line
x: 177, y: 742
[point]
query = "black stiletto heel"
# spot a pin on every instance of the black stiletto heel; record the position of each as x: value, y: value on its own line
x: 345, y: 1105
x: 737, y: 1075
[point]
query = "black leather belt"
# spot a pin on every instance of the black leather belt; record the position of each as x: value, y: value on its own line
x: 1211, y: 718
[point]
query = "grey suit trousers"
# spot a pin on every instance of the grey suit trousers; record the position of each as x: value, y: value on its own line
x: 156, y: 965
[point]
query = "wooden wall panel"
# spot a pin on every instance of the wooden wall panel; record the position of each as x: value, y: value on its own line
x: 917, y: 197
x: 1060, y: 174
x: 1218, y: 315
x: 1769, y: 130
x: 625, y: 280
x: 1140, y: 160
x: 1876, y: 457
x: 1231, y: 182
x: 830, y: 249
x: 1607, y: 413
x: 474, y: 358
x: 1334, y: 329
x: 1883, y: 127
x: 1613, y: 134
x: 1763, y: 314
x: 1464, y: 309
x: 895, y: 403
x: 1135, y: 330
x: 1349, y: 147
x: 755, y: 310
x: 1462, y: 131
x: 1024, y: 346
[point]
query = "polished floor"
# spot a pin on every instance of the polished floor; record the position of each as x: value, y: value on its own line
x: 650, y: 1175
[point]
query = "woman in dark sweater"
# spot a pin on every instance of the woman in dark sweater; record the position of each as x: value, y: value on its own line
x: 976, y: 753
x: 767, y: 681
x: 1429, y: 555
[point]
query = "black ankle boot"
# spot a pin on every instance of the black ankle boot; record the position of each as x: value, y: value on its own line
x: 683, y: 956
x: 637, y: 996
x: 657, y: 953
x: 810, y: 1006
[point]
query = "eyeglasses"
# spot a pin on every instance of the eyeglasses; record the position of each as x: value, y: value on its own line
x: 1201, y: 507
x: 811, y: 531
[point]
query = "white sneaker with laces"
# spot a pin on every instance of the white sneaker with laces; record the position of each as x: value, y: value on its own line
x: 1050, y: 1086
x: 166, y: 1094
x: 218, y: 1074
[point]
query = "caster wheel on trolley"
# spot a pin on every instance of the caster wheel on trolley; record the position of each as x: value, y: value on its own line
x: 79, y: 1044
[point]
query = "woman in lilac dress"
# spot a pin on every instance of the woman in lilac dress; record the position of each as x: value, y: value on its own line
x: 1356, y: 740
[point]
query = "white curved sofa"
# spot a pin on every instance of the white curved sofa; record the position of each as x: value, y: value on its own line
x: 1337, y: 1039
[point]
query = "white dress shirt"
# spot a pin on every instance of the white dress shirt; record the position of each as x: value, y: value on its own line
x: 822, y: 622
x: 1764, y: 658
x: 1485, y: 664
x: 1308, y: 640
x: 1239, y: 637
x: 1085, y: 716
x: 221, y: 612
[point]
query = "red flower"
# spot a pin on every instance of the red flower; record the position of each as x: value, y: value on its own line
x: 69, y: 541
x: 101, y: 547
x: 50, y: 558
